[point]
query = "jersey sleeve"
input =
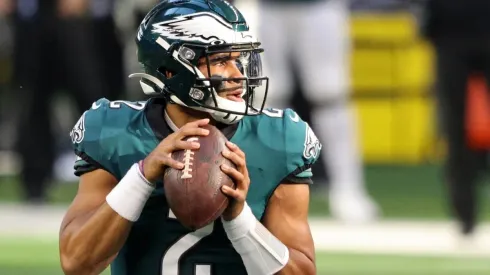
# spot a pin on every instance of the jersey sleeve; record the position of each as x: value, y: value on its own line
x: 81, y: 167
x: 87, y: 138
x: 302, y: 148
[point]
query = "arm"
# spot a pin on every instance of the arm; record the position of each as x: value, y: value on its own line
x: 92, y: 232
x: 282, y: 244
x: 286, y: 217
x: 98, y: 222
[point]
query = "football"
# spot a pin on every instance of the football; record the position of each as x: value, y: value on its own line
x: 194, y: 193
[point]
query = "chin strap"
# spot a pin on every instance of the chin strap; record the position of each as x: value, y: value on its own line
x: 226, y: 118
x: 153, y: 86
x: 219, y: 116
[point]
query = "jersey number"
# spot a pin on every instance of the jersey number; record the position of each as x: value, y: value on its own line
x: 170, y: 261
x: 273, y: 112
x: 138, y: 105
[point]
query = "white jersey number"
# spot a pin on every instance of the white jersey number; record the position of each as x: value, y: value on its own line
x: 273, y: 112
x: 138, y: 105
x: 170, y: 261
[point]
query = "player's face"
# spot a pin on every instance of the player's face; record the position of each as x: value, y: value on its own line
x: 225, y: 65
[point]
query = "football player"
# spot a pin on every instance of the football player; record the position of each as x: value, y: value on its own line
x: 201, y: 65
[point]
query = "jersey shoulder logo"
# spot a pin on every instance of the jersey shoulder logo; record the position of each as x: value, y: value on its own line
x: 78, y: 131
x: 312, y: 144
x: 294, y: 117
x: 96, y: 106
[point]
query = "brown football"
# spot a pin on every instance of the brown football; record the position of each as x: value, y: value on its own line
x: 194, y: 193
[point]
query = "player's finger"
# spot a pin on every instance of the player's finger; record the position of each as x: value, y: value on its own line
x: 197, y: 123
x: 192, y: 131
x: 233, y: 173
x: 240, y: 162
x: 233, y: 193
x: 186, y: 145
x: 239, y: 152
x: 235, y: 158
x: 170, y: 162
x: 234, y: 148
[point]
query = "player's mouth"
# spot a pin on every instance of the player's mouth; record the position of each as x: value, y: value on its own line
x: 235, y: 95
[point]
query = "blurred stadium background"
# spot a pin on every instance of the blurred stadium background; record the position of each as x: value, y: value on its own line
x: 392, y: 77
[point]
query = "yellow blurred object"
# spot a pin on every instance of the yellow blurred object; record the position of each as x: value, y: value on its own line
x: 375, y: 119
x: 392, y: 74
x: 413, y: 128
x: 396, y: 131
x: 383, y: 27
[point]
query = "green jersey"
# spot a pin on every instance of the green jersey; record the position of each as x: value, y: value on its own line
x: 279, y: 146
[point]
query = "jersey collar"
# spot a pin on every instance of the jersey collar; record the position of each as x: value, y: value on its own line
x: 162, y: 125
x: 169, y: 122
x: 155, y: 110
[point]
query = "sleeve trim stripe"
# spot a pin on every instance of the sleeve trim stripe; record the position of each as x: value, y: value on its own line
x: 299, y: 170
x: 92, y: 162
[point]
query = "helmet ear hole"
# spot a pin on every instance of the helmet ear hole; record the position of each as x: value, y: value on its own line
x: 166, y: 72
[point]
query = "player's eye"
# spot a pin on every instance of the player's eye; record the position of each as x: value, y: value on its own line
x: 219, y: 61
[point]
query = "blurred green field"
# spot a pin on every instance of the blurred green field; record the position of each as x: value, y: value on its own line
x: 35, y: 257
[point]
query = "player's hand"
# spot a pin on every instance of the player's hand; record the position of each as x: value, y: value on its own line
x: 160, y: 158
x: 241, y: 178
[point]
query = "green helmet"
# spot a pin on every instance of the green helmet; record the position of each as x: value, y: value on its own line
x: 177, y: 34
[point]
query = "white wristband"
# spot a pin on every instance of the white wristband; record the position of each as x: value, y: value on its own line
x: 241, y: 225
x: 130, y: 195
x: 262, y: 253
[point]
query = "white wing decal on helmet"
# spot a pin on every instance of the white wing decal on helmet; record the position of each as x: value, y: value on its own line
x: 204, y: 27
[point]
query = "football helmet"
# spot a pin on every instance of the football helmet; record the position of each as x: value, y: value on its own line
x: 177, y: 35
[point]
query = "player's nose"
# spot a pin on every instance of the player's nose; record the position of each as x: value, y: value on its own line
x: 236, y: 73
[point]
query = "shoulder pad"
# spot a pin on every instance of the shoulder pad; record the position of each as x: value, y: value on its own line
x: 93, y: 119
x: 301, y: 146
x: 99, y: 131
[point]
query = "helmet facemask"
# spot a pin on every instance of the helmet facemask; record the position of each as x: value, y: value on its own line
x: 205, y: 93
